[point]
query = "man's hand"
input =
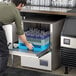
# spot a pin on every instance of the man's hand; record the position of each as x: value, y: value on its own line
x: 24, y: 40
x: 30, y: 46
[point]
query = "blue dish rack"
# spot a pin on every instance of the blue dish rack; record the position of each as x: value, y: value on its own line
x: 40, y: 43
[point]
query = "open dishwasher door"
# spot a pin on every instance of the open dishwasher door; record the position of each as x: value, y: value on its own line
x: 43, y: 53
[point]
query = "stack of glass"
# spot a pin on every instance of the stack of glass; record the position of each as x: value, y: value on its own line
x: 39, y: 38
x: 64, y: 3
x: 57, y: 3
x: 39, y: 2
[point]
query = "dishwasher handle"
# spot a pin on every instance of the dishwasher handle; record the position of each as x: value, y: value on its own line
x: 43, y: 53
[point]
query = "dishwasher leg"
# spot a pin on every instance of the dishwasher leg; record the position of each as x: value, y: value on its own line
x: 12, y: 59
x: 66, y: 70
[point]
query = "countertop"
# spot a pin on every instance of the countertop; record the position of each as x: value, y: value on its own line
x: 49, y: 10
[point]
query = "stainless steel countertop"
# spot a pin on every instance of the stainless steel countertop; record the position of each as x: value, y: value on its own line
x: 49, y: 10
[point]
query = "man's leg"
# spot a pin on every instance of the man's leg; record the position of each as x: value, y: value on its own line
x: 3, y: 51
x: 3, y: 64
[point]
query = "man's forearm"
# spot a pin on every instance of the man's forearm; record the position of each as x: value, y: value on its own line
x: 23, y: 38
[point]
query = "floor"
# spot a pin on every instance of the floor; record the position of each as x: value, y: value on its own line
x: 60, y: 71
x: 25, y: 71
x: 11, y: 71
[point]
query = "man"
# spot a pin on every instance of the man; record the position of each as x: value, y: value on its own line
x: 10, y: 13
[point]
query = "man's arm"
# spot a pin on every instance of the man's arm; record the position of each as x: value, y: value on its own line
x: 20, y: 31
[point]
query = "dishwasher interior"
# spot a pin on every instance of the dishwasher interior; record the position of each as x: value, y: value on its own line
x: 38, y: 34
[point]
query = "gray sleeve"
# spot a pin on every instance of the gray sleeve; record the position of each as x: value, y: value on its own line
x: 18, y: 20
